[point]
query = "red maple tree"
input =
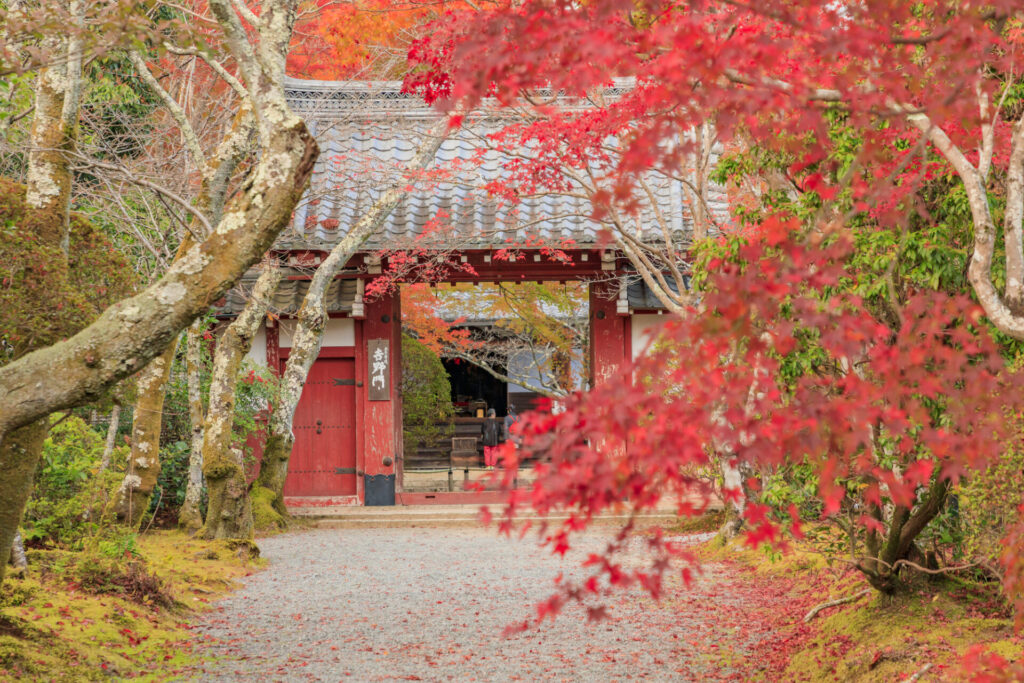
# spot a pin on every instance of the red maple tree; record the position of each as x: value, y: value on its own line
x: 889, y: 416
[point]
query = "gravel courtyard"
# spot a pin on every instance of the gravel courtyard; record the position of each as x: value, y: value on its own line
x: 418, y: 603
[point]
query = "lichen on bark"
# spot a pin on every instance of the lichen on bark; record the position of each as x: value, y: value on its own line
x: 189, y: 517
x: 131, y: 500
x: 229, y: 511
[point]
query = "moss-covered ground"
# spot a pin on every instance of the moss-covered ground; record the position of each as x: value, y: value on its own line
x: 926, y: 630
x: 81, y: 617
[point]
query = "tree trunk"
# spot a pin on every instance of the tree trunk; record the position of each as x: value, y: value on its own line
x: 18, y: 559
x: 20, y: 453
x: 131, y: 501
x: 108, y: 447
x: 229, y: 512
x: 189, y: 517
x: 312, y: 320
x: 129, y: 334
x: 47, y: 214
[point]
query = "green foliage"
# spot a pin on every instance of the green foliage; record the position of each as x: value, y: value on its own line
x: 41, y: 300
x: 988, y: 505
x: 169, y: 491
x: 929, y: 250
x: 426, y: 396
x: 256, y: 389
x: 794, y: 485
x: 67, y: 504
x: 116, y: 106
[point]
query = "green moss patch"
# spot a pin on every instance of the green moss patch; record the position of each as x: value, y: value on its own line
x: 876, y: 637
x: 54, y: 626
x: 264, y: 516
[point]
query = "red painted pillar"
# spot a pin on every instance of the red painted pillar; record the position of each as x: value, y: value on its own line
x: 609, y: 335
x: 609, y: 332
x: 382, y: 408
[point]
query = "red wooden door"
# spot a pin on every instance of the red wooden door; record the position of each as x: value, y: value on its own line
x: 323, y: 461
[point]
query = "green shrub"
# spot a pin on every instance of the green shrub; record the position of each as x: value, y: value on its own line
x: 426, y: 396
x: 169, y: 492
x: 70, y: 492
x: 987, y: 505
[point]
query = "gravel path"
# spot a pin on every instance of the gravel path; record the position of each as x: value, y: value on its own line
x: 431, y: 604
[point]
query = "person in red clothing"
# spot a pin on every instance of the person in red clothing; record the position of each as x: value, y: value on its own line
x: 490, y: 436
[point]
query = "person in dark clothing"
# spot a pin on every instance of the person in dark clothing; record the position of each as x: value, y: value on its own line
x: 510, y: 420
x: 490, y: 436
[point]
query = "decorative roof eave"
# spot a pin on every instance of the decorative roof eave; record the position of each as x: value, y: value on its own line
x: 330, y: 100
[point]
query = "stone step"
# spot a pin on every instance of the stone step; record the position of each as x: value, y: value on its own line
x: 452, y: 516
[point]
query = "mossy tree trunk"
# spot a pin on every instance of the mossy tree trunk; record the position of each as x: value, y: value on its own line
x: 56, y: 106
x: 893, y: 546
x: 19, y: 457
x: 189, y: 517
x: 312, y: 320
x: 135, y: 330
x: 229, y: 511
x: 131, y: 501
x: 129, y: 334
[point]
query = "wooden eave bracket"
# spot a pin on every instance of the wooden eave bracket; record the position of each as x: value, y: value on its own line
x: 358, y: 308
x: 607, y: 259
x: 622, y: 302
x: 304, y: 259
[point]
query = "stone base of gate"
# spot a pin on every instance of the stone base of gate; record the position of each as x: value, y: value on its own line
x: 448, y: 515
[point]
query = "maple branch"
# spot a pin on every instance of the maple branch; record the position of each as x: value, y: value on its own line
x: 486, y: 367
x: 813, y: 95
x: 921, y: 672
x: 247, y: 14
x: 987, y: 147
x: 979, y: 271
x: 834, y: 603
x: 513, y: 303
x: 161, y: 258
x: 652, y: 277
x: 173, y: 107
x: 666, y: 235
x: 217, y: 67
x: 1013, y: 218
x: 87, y: 162
x: 942, y: 570
x: 921, y: 40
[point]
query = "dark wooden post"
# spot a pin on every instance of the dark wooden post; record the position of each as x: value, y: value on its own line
x: 382, y: 401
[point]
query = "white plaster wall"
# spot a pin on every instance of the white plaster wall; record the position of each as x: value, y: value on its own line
x: 258, y: 352
x: 339, y: 332
x: 643, y: 327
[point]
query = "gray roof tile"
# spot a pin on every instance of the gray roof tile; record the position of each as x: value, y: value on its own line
x: 368, y: 132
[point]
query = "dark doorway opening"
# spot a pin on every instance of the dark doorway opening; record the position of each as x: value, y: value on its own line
x: 474, y: 389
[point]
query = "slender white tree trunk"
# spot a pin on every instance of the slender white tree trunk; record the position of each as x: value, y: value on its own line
x: 108, y: 447
x: 190, y: 517
x: 131, y: 500
x: 18, y: 559
x: 312, y: 320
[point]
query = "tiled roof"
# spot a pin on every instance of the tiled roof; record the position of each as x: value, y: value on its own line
x: 641, y: 298
x: 368, y: 132
x: 288, y: 296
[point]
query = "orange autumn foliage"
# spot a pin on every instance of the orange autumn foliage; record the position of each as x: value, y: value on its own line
x: 364, y: 39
